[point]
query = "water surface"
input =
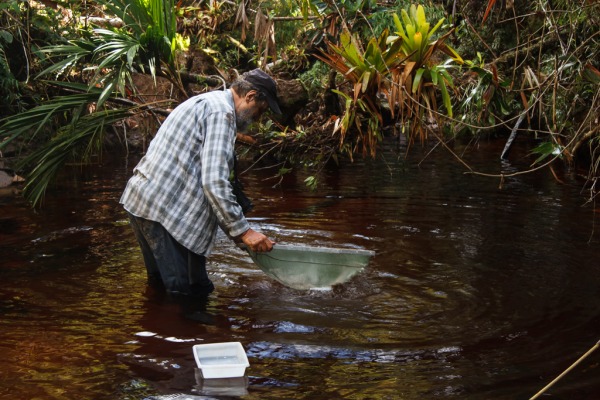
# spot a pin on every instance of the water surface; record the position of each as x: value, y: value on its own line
x: 475, y: 292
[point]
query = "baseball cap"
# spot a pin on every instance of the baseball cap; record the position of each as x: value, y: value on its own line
x: 266, y: 85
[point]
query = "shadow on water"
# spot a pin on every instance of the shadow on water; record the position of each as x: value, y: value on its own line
x: 475, y: 292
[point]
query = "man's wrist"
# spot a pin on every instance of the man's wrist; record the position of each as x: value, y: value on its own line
x: 241, y: 237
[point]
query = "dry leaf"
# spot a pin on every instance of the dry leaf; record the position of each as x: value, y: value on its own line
x: 241, y: 18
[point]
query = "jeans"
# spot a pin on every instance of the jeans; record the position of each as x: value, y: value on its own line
x: 168, y: 263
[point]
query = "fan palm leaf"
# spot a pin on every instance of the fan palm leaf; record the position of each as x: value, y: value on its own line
x: 148, y: 40
x: 76, y: 141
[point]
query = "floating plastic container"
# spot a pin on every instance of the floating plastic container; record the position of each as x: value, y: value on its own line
x: 306, y: 267
x: 221, y: 360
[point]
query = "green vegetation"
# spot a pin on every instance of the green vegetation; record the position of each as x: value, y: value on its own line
x: 69, y: 73
x: 367, y: 72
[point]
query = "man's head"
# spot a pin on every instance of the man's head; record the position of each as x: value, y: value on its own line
x: 256, y: 92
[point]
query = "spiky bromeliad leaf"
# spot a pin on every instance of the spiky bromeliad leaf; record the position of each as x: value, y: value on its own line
x: 366, y: 70
x: 349, y: 50
x: 445, y: 96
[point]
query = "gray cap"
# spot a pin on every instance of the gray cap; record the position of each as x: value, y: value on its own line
x: 265, y: 85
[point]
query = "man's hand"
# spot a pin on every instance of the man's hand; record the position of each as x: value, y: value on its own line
x: 256, y: 241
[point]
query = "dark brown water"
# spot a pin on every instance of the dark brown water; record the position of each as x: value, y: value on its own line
x: 475, y: 292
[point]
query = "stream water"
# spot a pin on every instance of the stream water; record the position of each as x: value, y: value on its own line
x: 475, y: 291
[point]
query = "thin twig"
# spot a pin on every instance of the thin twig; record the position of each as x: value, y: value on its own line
x: 590, y: 351
x: 480, y: 38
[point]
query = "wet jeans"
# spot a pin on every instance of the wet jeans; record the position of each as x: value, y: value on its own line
x: 169, y: 263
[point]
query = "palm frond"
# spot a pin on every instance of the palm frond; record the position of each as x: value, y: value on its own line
x: 73, y: 142
x: 103, y: 61
x: 70, y: 56
x: 28, y: 124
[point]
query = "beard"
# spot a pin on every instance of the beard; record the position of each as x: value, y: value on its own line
x: 243, y: 120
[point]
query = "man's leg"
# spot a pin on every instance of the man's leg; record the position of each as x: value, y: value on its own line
x: 200, y: 283
x: 182, y: 271
x: 154, y: 277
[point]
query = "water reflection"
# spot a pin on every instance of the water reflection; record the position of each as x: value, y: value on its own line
x: 229, y: 387
x: 475, y: 292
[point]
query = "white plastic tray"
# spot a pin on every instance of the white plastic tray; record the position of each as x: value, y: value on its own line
x: 221, y: 360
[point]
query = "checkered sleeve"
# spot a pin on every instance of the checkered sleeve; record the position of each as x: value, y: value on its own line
x: 217, y: 156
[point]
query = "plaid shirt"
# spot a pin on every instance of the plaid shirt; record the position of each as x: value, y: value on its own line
x: 183, y: 180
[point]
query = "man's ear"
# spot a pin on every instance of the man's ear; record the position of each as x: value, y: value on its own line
x: 251, y: 95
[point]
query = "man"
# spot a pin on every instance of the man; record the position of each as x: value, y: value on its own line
x: 180, y: 190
